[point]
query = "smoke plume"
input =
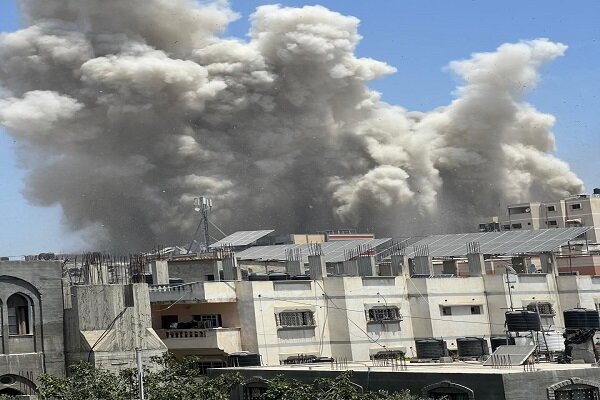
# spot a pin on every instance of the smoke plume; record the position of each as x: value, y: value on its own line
x: 125, y: 111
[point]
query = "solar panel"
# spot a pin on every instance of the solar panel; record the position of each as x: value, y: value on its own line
x: 241, y: 238
x: 332, y: 251
x: 509, y: 242
x: 510, y: 355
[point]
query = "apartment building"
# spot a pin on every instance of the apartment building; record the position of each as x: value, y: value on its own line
x: 361, y: 311
x: 580, y: 210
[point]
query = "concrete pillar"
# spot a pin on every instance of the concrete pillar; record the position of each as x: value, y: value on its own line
x: 350, y: 267
x: 476, y: 264
x: 385, y: 270
x: 449, y: 267
x: 160, y: 272
x: 366, y: 266
x: 423, y: 265
x: 293, y: 267
x: 316, y: 267
x: 400, y: 265
x: 95, y: 274
x: 231, y: 272
x: 548, y: 262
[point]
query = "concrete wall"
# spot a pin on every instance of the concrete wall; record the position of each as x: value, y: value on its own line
x: 106, y: 323
x: 42, y: 350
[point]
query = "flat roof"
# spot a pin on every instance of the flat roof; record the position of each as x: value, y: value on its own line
x: 500, y: 243
x: 332, y: 251
x: 458, y: 367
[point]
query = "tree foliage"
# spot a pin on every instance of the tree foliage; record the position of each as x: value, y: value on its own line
x: 174, y: 379
x: 339, y: 388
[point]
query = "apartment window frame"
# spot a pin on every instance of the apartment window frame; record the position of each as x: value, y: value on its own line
x: 294, y: 319
x: 476, y: 310
x: 516, y: 226
x: 208, y: 321
x: 446, y: 311
x: 379, y: 314
x: 506, y: 227
x: 552, y: 222
x: 576, y: 206
x: 545, y: 307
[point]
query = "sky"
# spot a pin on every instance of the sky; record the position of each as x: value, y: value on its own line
x: 419, y: 38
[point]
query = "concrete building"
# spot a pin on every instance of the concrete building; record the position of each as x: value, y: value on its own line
x: 353, y: 315
x: 32, y: 324
x: 454, y: 381
x: 580, y: 210
x: 50, y: 320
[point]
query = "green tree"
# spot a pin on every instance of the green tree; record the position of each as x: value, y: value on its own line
x: 83, y: 383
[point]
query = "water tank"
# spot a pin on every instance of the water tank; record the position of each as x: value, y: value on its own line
x: 497, y: 341
x: 257, y: 276
x: 472, y: 347
x: 581, y: 318
x: 431, y: 348
x: 243, y: 359
x: 555, y: 341
x: 597, y: 191
x: 278, y: 276
x: 522, y: 321
x: 4, y: 258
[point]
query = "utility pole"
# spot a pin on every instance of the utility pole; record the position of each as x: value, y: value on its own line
x: 140, y: 370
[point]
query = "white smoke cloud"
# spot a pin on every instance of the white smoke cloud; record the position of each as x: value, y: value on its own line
x: 134, y: 108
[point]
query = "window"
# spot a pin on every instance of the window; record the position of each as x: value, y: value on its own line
x: 378, y: 314
x: 446, y: 310
x: 210, y: 278
x: 208, y: 320
x: 551, y: 208
x: 575, y: 206
x: 475, y: 310
x: 295, y: 318
x: 517, y: 226
x: 506, y: 227
x: 18, y: 315
x: 577, y: 393
x: 545, y: 308
x: 552, y: 223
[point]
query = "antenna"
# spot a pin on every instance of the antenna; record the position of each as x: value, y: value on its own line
x: 202, y: 205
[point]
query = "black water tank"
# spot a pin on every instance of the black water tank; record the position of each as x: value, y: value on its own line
x: 522, y: 321
x: 431, y: 348
x: 243, y: 359
x: 497, y: 341
x: 472, y: 347
x: 581, y: 318
x: 596, y: 190
x: 278, y: 276
x: 4, y: 258
x: 257, y: 276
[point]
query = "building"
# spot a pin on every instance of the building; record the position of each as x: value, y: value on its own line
x: 453, y: 381
x: 580, y: 210
x: 55, y: 313
x: 32, y: 324
x: 380, y: 301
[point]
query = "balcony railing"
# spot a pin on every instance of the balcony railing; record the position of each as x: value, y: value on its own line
x: 227, y: 340
x: 195, y: 292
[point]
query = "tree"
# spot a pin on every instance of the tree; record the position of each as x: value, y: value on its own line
x: 83, y: 383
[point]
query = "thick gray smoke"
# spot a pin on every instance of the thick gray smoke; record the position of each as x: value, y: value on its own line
x: 124, y: 111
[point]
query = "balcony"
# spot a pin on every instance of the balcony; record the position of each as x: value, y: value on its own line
x: 226, y: 340
x: 195, y: 292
